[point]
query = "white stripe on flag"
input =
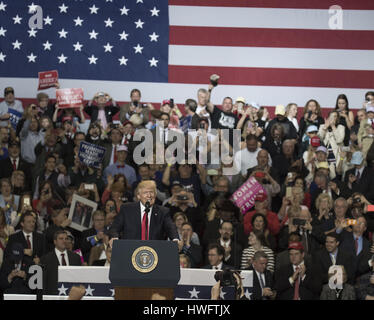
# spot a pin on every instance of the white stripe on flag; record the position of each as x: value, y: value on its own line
x: 255, y: 57
x: 266, y: 18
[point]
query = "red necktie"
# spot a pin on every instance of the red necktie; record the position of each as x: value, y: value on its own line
x: 145, y: 226
x: 296, y: 287
x: 356, y: 245
x: 14, y: 164
x: 63, y: 261
x: 28, y: 242
x: 115, y: 154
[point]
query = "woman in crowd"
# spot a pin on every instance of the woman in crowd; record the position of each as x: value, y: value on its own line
x: 257, y: 242
x: 312, y: 116
x: 259, y: 223
x: 179, y: 218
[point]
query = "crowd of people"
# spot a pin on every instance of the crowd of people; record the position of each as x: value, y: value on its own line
x: 316, y: 213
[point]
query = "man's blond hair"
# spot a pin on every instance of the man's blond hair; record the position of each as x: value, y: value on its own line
x: 146, y: 184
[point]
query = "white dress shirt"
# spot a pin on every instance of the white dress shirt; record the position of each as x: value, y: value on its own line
x: 142, y: 210
x: 59, y: 257
x: 219, y: 267
x: 17, y: 161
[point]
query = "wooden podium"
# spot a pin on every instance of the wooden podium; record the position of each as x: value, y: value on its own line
x: 139, y: 269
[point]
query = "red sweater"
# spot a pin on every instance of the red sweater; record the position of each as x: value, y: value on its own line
x: 271, y: 217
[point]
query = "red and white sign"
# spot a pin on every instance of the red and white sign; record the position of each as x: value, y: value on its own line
x: 69, y: 98
x: 244, y: 197
x: 47, y: 79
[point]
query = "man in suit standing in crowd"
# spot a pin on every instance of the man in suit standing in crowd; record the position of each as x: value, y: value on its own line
x: 262, y: 278
x: 59, y: 256
x: 144, y: 220
x: 32, y: 241
x: 332, y: 254
x: 297, y: 280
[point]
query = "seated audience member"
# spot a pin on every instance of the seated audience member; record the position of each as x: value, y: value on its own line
x: 186, y: 246
x: 297, y: 280
x: 110, y: 210
x: 215, y: 257
x: 347, y: 292
x: 260, y: 223
x: 263, y: 283
x: 184, y: 261
x: 261, y: 207
x: 256, y: 241
x: 179, y: 218
x: 59, y: 256
x: 332, y: 254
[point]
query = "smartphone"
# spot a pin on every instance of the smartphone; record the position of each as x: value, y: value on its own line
x: 289, y: 192
x: 89, y: 186
x: 26, y: 201
x: 351, y: 222
x: 171, y: 103
x: 212, y: 172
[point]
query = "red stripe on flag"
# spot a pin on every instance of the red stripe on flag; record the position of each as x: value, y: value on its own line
x: 353, y: 79
x: 295, y: 4
x: 281, y: 38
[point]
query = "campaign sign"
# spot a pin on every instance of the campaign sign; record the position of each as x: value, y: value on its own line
x: 47, y: 79
x: 69, y: 98
x: 244, y: 197
x: 15, y: 116
x: 91, y: 154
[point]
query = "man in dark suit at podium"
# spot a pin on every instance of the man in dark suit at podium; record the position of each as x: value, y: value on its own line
x: 143, y: 220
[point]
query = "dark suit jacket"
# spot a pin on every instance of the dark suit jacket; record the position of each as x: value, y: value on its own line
x: 323, y: 262
x: 38, y: 244
x: 99, y: 263
x: 347, y: 244
x: 365, y: 185
x: 50, y: 271
x: 128, y: 221
x: 93, y: 112
x: 257, y: 291
x: 6, y: 170
x: 309, y: 288
x: 126, y: 109
x: 177, y: 135
x: 194, y: 252
x: 18, y: 285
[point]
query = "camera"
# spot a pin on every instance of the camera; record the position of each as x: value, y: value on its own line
x: 226, y: 277
x: 299, y: 222
x: 136, y: 103
x: 356, y: 200
x: 309, y: 114
x: 182, y: 197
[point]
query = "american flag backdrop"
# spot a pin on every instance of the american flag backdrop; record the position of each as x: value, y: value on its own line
x: 269, y: 51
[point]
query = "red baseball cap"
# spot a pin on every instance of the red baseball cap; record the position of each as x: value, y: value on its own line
x: 261, y: 197
x: 165, y: 102
x: 259, y: 174
x: 315, y: 141
x: 127, y: 122
x: 295, y: 246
